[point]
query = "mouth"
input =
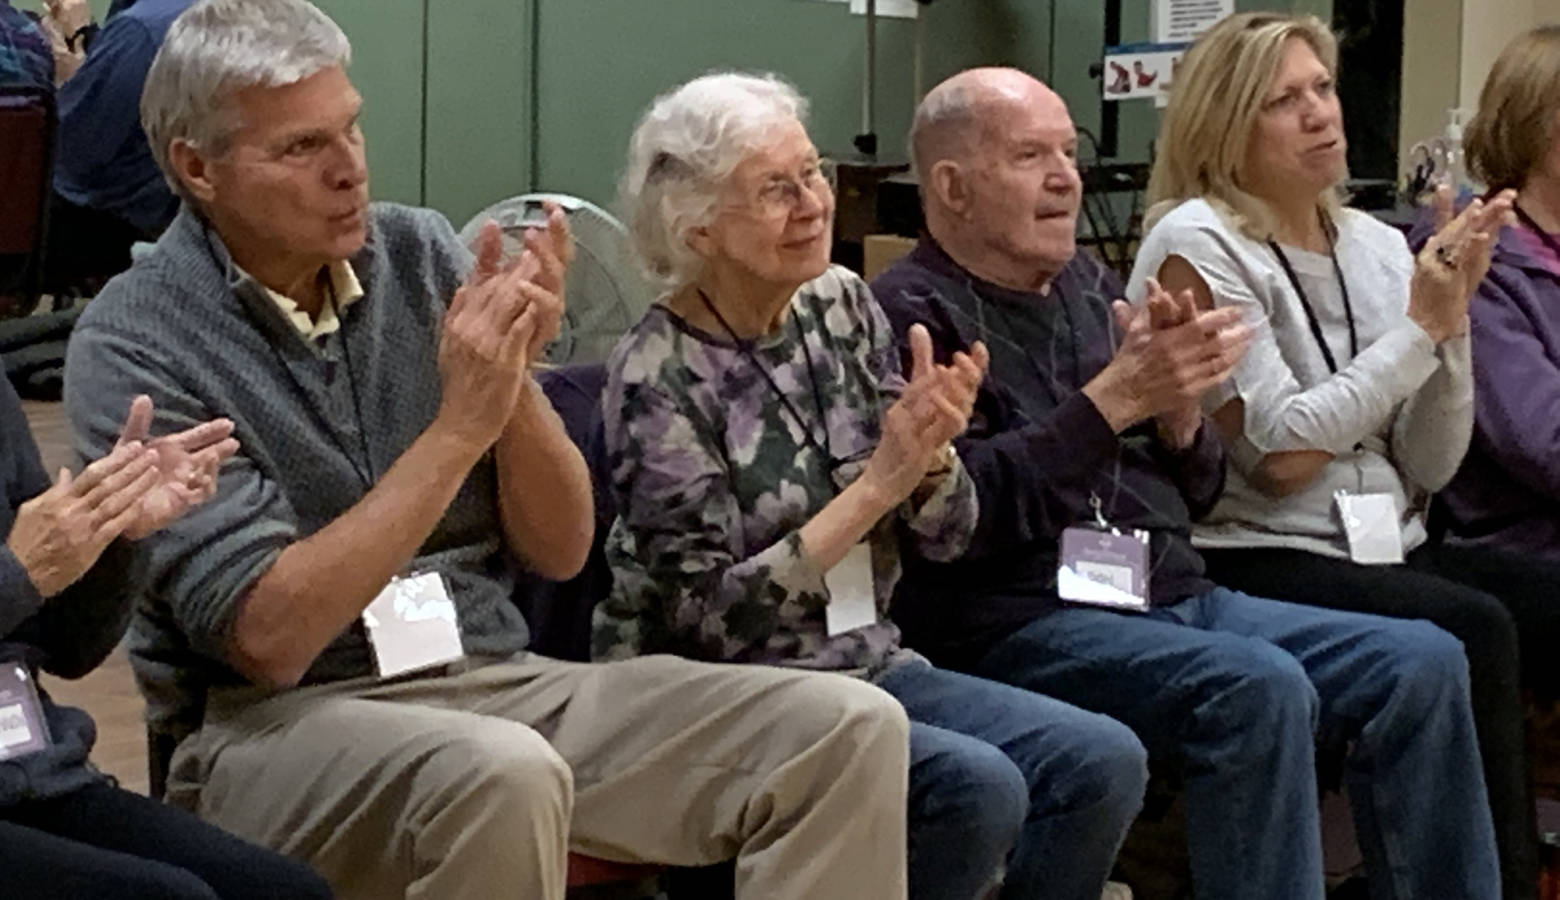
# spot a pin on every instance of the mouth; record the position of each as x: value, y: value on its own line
x: 805, y: 243
x: 1325, y: 147
x: 1054, y: 215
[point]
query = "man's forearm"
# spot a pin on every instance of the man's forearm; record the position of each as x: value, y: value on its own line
x: 544, y: 490
x: 319, y: 585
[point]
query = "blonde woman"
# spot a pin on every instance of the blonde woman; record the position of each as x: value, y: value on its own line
x: 1355, y: 402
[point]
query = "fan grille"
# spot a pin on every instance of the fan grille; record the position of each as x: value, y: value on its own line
x: 605, y: 294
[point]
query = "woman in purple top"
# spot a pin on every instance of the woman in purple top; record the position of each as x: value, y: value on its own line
x: 1502, y: 509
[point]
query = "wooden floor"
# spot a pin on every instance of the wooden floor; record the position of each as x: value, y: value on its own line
x: 108, y: 693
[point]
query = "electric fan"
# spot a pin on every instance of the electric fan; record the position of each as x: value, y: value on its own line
x: 605, y: 293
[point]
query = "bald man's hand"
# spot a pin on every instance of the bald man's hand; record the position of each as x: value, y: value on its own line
x: 1165, y: 371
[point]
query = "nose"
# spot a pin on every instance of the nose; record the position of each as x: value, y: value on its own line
x: 813, y: 198
x: 348, y: 168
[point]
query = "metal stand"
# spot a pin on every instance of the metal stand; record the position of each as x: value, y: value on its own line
x: 866, y: 142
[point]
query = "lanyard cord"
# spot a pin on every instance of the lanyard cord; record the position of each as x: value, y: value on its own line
x: 825, y: 446
x: 1305, y: 302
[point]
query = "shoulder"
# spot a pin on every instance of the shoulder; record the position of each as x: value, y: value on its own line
x: 1375, y: 241
x: 396, y: 225
x: 1197, y: 227
x: 646, y: 354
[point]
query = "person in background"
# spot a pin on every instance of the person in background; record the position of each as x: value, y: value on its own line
x: 1092, y: 459
x: 65, y: 594
x: 1355, y: 402
x: 334, y: 634
x: 108, y: 193
x: 26, y: 59
x: 769, y: 460
x: 1501, y: 511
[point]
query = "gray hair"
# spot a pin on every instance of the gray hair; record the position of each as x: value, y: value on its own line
x: 684, y: 148
x: 943, y: 127
x: 217, y: 47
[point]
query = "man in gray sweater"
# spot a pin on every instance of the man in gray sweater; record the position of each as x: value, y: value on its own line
x: 335, y: 627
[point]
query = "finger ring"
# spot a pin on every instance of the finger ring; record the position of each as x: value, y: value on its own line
x: 1445, y: 257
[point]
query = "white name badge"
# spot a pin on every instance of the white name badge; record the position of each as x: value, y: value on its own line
x: 1104, y: 568
x: 412, y: 625
x: 23, y: 729
x: 1371, y: 523
x: 852, y: 602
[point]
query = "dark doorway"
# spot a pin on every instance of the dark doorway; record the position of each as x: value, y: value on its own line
x: 1370, y: 64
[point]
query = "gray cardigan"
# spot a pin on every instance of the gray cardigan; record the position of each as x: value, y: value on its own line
x: 318, y: 422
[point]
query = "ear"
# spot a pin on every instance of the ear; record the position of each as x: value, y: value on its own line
x: 192, y: 169
x: 949, y: 186
x: 700, y: 240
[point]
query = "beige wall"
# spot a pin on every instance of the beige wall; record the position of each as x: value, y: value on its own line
x: 1448, y: 47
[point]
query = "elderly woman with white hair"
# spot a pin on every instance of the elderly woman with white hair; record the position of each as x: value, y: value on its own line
x: 1354, y: 403
x: 769, y: 462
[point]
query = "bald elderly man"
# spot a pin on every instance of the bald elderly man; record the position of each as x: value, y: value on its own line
x: 1092, y: 459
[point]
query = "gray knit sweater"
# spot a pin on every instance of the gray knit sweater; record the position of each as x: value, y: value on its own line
x: 319, y: 421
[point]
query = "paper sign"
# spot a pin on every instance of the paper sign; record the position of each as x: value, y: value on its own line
x: 1141, y: 71
x: 1104, y: 568
x: 1186, y: 20
x: 23, y: 729
x: 1374, y: 531
x: 412, y: 625
x: 852, y: 600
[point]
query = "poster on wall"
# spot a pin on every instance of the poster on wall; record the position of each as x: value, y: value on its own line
x: 1141, y: 71
x: 1183, y: 21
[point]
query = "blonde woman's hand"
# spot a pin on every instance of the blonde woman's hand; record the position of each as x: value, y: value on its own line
x: 1450, y: 267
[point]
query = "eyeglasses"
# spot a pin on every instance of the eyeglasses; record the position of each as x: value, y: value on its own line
x: 779, y: 197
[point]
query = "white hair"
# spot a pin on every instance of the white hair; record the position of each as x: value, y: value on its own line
x: 684, y: 148
x: 217, y: 47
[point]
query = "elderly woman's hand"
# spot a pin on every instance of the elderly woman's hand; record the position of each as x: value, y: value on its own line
x: 1454, y: 261
x: 59, y: 534
x: 934, y: 408
x: 185, y: 463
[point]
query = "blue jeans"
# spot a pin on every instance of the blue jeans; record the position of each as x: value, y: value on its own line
x: 1238, y: 689
x: 994, y: 768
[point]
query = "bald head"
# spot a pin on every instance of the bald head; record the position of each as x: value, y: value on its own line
x: 995, y: 152
x: 964, y: 113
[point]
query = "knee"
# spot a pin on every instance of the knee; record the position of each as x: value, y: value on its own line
x: 851, y: 710
x: 1108, y: 768
x: 505, y: 764
x: 1429, y: 664
x: 297, y: 881
x: 159, y: 881
x: 1265, y: 699
x: 977, y: 789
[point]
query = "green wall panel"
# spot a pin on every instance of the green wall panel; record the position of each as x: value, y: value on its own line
x: 479, y: 104
x: 387, y: 69
x: 602, y: 61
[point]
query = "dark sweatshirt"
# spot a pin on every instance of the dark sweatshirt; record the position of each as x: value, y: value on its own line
x: 1038, y: 449
x: 67, y: 635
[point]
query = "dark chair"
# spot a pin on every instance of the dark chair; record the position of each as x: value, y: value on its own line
x: 28, y: 121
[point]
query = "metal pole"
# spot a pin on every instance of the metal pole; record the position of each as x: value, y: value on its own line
x: 869, y: 83
x: 920, y: 43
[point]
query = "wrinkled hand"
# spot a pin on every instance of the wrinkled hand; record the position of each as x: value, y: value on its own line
x: 186, y: 464
x: 68, y: 16
x: 484, y: 354
x: 60, y: 533
x: 1450, y: 267
x: 1178, y: 426
x: 1164, y: 371
x: 545, y: 263
x: 934, y: 408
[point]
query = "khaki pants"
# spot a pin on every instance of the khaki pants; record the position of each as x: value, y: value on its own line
x: 476, y: 784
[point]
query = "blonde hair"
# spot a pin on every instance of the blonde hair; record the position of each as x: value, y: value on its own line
x: 1215, y: 99
x: 1514, y: 126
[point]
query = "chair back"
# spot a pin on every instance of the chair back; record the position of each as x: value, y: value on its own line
x: 27, y: 135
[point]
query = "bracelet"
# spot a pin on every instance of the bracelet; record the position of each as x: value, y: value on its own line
x: 84, y: 34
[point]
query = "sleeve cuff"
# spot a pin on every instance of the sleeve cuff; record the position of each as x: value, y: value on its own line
x: 19, y: 597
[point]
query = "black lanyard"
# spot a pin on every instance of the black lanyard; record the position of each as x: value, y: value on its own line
x: 1305, y: 302
x: 322, y: 418
x: 825, y: 446
x: 1546, y: 237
